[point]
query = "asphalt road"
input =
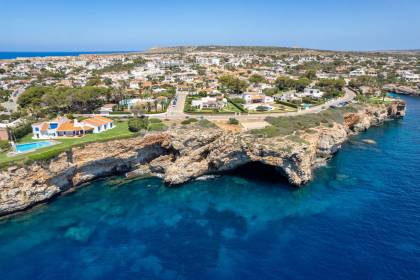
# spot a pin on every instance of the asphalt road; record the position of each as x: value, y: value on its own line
x: 176, y: 112
x: 348, y: 96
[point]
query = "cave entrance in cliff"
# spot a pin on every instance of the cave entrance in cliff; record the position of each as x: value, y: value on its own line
x: 258, y: 171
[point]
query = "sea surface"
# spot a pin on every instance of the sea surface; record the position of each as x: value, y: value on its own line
x: 359, y: 219
x: 12, y: 55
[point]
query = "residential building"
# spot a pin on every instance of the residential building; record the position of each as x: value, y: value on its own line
x: 312, y: 92
x: 63, y: 127
x: 287, y: 96
x: 106, y: 109
x: 208, y: 102
x: 357, y: 73
x: 256, y: 98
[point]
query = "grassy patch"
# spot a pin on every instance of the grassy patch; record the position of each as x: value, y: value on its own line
x: 283, y: 126
x: 157, y: 126
x: 189, y: 121
x: 120, y: 131
x: 228, y: 109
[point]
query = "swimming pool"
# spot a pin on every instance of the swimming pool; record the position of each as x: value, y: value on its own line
x: 27, y: 147
x: 306, y: 106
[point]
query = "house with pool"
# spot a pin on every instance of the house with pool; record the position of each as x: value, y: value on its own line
x: 63, y: 127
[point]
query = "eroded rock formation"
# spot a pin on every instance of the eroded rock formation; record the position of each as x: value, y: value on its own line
x: 182, y: 154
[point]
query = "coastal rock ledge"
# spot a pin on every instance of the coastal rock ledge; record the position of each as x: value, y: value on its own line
x: 182, y: 154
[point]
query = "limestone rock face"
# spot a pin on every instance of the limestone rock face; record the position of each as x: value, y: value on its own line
x: 182, y: 154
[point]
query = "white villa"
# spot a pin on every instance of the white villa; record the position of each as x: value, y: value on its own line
x: 106, y: 109
x: 63, y: 127
x: 287, y: 96
x: 410, y: 76
x: 256, y: 98
x: 208, y: 102
x: 357, y: 72
x: 312, y: 92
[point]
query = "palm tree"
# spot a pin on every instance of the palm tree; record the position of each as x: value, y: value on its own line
x: 155, y: 101
x: 138, y: 109
x: 148, y: 106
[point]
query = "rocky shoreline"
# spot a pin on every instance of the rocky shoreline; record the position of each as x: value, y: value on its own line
x: 403, y: 90
x: 182, y: 154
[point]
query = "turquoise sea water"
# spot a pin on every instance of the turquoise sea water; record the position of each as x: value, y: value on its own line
x: 12, y: 55
x: 359, y: 219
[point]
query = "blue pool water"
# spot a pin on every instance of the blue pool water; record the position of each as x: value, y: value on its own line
x: 359, y: 219
x: 22, y: 148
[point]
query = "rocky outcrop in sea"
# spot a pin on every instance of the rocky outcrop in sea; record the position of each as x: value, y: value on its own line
x: 182, y: 154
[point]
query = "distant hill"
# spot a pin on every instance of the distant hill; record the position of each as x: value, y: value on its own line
x: 237, y: 49
x: 267, y: 50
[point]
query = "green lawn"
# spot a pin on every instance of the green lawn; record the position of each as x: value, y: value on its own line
x: 278, y: 108
x: 120, y: 131
x: 229, y: 109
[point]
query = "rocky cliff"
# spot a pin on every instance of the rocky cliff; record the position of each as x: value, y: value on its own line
x: 406, y: 90
x: 182, y: 154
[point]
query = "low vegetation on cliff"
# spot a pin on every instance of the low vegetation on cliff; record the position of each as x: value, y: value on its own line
x: 283, y: 126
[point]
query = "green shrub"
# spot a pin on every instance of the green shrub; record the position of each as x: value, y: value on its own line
x: 283, y: 126
x: 206, y: 123
x: 233, y: 121
x: 157, y: 126
x: 188, y: 121
x: 153, y: 120
x: 138, y: 124
x: 238, y: 103
x: 21, y: 131
x: 4, y: 145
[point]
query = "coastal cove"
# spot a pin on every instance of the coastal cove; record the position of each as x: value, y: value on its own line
x: 357, y: 219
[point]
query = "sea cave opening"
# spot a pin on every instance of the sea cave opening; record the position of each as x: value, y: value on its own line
x: 258, y: 171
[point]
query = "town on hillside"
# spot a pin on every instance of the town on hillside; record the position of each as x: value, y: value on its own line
x: 115, y: 94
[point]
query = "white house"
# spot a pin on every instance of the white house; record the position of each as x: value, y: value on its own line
x: 63, y: 127
x: 287, y: 96
x: 208, y: 102
x: 312, y: 92
x: 256, y: 98
x: 106, y: 109
x: 410, y: 76
x: 357, y: 73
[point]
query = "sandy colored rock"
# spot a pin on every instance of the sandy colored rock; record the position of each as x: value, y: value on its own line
x: 183, y: 154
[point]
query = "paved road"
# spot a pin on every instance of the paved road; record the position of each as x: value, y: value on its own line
x: 11, y: 105
x: 348, y: 96
x: 177, y: 112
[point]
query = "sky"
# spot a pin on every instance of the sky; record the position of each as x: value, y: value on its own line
x: 123, y: 25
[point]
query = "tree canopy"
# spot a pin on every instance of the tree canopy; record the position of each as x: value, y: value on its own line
x: 63, y: 99
x: 286, y: 83
x: 256, y: 79
x: 232, y: 84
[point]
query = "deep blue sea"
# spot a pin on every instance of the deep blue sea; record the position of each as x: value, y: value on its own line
x: 359, y: 219
x: 12, y: 55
